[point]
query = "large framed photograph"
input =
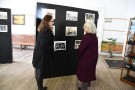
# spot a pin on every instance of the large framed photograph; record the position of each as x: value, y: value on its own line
x: 71, y: 16
x: 59, y: 45
x: 18, y: 19
x: 90, y: 17
x: 71, y: 31
x: 3, y: 15
x: 3, y: 28
x: 46, y: 11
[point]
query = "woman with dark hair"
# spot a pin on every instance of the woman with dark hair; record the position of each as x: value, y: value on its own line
x: 43, y: 51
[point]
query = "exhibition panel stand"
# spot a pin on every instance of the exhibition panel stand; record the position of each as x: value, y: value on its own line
x: 68, y: 32
x: 5, y: 36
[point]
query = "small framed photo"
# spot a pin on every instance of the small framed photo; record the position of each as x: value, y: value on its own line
x: 59, y: 45
x: 90, y: 17
x: 19, y: 19
x: 3, y: 15
x: 71, y: 16
x: 71, y: 31
x: 3, y: 28
x: 77, y: 44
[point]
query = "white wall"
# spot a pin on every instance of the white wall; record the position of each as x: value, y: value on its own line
x: 106, y: 8
x: 131, y: 11
x: 111, y: 8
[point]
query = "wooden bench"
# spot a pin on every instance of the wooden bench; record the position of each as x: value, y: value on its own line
x: 23, y: 40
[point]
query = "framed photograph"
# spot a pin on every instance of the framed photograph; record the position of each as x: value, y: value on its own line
x: 59, y: 45
x: 71, y: 16
x: 3, y: 28
x: 3, y: 15
x: 46, y: 11
x: 90, y: 16
x: 53, y: 30
x: 71, y: 31
x: 18, y: 19
x: 77, y: 44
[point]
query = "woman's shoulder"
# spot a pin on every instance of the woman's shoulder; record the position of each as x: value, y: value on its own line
x: 89, y: 36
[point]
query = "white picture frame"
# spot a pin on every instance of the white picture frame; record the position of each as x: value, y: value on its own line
x: 59, y: 45
x: 77, y: 44
x: 71, y: 16
x: 71, y: 31
x: 3, y: 28
x: 3, y: 15
x: 90, y: 17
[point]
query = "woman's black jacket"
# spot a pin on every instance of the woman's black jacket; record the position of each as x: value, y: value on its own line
x: 43, y: 51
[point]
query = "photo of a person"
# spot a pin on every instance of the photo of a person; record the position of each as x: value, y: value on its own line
x: 87, y: 56
x: 43, y: 51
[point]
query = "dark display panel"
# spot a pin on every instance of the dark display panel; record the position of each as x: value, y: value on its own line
x: 5, y: 36
x: 65, y: 62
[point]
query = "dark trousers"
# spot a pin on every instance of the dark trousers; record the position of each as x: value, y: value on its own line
x: 39, y: 78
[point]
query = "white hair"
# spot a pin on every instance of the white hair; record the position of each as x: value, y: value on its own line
x: 91, y: 26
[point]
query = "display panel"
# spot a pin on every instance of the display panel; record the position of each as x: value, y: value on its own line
x: 68, y: 32
x: 5, y: 36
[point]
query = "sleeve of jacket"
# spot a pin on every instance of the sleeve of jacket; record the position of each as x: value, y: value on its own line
x: 83, y: 46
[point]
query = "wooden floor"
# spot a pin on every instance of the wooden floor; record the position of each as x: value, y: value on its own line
x: 19, y: 75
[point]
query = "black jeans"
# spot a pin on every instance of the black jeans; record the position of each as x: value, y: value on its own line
x: 39, y: 78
